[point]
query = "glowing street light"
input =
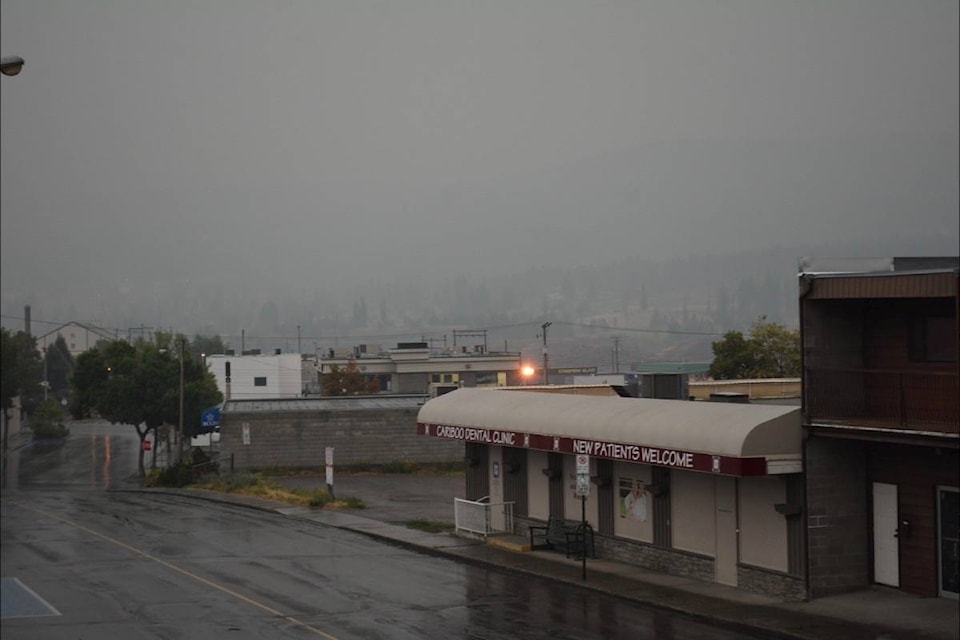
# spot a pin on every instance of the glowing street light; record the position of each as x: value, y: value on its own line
x: 11, y: 65
x: 527, y: 372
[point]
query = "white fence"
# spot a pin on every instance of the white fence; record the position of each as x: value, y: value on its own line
x: 483, y: 517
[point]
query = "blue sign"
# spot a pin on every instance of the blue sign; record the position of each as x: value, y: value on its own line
x: 210, y: 418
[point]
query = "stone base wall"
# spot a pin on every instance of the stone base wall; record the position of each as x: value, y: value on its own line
x: 669, y: 561
x: 771, y: 583
x: 686, y: 564
x: 299, y: 439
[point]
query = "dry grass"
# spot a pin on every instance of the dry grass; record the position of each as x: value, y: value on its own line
x: 455, y: 469
x: 255, y: 486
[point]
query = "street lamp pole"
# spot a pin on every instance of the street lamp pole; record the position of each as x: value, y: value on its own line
x: 546, y: 358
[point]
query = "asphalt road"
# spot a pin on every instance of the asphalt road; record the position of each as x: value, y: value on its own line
x: 81, y: 561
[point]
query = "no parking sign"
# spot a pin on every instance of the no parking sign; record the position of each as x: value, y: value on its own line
x: 583, y: 475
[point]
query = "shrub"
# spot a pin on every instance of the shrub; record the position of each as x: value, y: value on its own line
x: 47, y: 421
x: 188, y: 471
x: 178, y: 475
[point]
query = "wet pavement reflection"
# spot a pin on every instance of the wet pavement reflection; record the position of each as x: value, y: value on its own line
x: 96, y: 455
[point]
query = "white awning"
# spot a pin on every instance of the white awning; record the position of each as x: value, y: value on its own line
x: 730, y: 431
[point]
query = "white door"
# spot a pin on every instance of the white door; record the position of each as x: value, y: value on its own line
x: 496, y: 487
x: 725, y: 563
x: 886, y: 546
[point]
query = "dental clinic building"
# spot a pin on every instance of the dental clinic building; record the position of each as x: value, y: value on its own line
x: 711, y: 491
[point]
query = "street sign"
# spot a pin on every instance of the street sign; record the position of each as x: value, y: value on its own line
x: 210, y: 418
x: 583, y: 475
x: 246, y: 432
x: 583, y: 463
x: 583, y: 486
x: 329, y: 460
x: 573, y: 371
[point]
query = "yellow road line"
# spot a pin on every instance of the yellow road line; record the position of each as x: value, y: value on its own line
x: 173, y: 567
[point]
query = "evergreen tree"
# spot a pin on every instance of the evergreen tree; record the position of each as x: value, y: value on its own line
x: 58, y: 366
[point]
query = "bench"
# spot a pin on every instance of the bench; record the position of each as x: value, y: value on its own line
x: 572, y: 537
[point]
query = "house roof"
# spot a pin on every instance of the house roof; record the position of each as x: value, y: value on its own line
x: 87, y: 327
x: 744, y: 438
x: 930, y: 283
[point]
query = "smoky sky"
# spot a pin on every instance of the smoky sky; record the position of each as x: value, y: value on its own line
x: 280, y: 144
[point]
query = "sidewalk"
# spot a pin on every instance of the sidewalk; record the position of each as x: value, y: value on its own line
x: 875, y: 614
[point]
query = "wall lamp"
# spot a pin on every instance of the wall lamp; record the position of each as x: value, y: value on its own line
x: 788, y: 509
x: 11, y: 65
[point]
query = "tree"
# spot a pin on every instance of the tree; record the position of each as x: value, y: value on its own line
x: 21, y: 372
x: 360, y: 312
x: 206, y: 345
x: 733, y: 358
x: 139, y: 385
x: 348, y: 381
x: 58, y: 366
x: 89, y: 374
x: 777, y: 349
x: 771, y: 351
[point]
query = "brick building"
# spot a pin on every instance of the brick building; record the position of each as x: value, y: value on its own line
x: 881, y: 417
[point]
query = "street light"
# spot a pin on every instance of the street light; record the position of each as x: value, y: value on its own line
x: 527, y: 372
x: 11, y: 65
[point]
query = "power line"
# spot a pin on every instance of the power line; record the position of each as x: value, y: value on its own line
x: 638, y: 330
x: 413, y: 333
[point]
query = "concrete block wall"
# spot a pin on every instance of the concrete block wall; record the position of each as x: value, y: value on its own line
x: 837, y: 517
x: 299, y: 439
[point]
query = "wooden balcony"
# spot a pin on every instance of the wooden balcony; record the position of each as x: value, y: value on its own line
x: 909, y: 400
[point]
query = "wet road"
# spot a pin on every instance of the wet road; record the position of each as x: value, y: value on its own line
x: 96, y: 455
x: 129, y: 565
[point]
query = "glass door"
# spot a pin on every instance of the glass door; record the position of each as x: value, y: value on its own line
x: 948, y: 518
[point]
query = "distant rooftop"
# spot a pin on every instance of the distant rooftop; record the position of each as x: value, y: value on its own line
x: 326, y: 403
x: 825, y: 265
x: 672, y: 367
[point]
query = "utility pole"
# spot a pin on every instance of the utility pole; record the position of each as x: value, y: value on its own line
x: 546, y: 357
x: 46, y: 380
x: 298, y: 341
x: 616, y: 354
x: 180, y: 426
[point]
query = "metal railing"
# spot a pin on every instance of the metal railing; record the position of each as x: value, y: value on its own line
x: 885, y: 398
x: 483, y: 517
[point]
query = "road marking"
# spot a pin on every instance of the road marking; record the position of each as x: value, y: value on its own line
x: 189, y: 574
x: 17, y: 600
